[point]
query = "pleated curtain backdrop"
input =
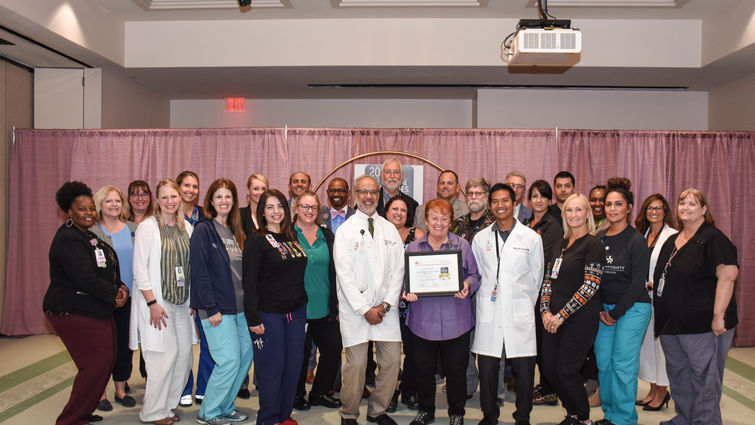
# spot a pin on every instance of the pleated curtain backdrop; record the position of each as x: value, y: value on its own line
x: 719, y: 163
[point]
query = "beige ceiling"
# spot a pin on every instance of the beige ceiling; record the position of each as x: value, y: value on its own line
x: 452, y: 82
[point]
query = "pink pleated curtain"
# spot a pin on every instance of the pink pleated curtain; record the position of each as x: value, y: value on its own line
x: 719, y: 163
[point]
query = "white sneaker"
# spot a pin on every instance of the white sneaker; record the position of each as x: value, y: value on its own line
x: 186, y: 400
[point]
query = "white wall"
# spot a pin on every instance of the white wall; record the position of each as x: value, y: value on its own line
x: 374, y: 113
x: 126, y: 104
x: 67, y: 98
x: 595, y: 109
x: 732, y: 105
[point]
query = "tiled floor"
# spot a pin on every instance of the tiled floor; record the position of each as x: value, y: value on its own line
x: 36, y: 375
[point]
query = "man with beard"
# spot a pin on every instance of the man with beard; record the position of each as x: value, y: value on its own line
x: 467, y: 226
x: 369, y: 259
x: 338, y: 198
x: 298, y: 183
x: 563, y: 187
x: 448, y: 189
x: 391, y: 178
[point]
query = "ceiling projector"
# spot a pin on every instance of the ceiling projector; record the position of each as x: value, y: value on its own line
x: 543, y: 43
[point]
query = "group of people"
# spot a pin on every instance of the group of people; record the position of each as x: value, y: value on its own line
x: 554, y: 284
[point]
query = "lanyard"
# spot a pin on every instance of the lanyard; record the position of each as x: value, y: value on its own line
x: 494, y: 294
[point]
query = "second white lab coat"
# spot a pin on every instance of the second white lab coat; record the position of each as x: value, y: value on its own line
x: 510, y: 319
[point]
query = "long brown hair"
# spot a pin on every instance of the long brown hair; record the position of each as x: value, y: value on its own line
x: 234, y: 217
x: 287, y: 227
x: 641, y: 222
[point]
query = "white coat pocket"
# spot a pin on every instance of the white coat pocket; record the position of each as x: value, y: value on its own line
x: 485, y: 309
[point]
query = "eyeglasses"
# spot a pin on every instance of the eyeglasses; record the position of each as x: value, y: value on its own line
x: 338, y: 190
x: 139, y: 195
x: 475, y: 194
x: 652, y: 208
x: 366, y: 192
x: 515, y: 185
x: 306, y: 207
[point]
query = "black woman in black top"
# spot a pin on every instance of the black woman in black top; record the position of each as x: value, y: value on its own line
x: 570, y: 309
x: 85, y: 288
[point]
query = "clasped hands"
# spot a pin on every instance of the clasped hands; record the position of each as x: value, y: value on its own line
x: 551, y: 323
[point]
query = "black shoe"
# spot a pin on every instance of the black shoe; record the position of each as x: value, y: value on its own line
x: 382, y: 420
x: 324, y: 400
x: 456, y: 420
x: 244, y: 393
x: 301, y: 403
x: 663, y: 404
x: 518, y: 422
x: 411, y: 402
x: 126, y: 401
x: 349, y: 421
x: 105, y: 406
x: 423, y: 418
x: 487, y: 421
x: 95, y: 418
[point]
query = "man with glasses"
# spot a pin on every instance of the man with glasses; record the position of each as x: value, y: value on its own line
x: 448, y: 189
x: 338, y: 198
x: 369, y: 259
x: 391, y: 179
x: 518, y: 182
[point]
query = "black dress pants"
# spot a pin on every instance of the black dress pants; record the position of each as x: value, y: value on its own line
x: 327, y: 336
x: 454, y: 357
x: 124, y: 356
x: 564, y: 355
x: 524, y: 374
x: 546, y: 387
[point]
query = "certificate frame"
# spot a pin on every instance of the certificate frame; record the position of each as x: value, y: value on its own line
x: 422, y: 267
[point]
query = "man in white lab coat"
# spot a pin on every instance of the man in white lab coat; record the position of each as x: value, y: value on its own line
x: 369, y: 259
x: 510, y: 259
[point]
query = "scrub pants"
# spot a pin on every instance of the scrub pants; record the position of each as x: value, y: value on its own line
x: 617, y: 353
x: 204, y: 368
x: 695, y: 366
x: 278, y: 355
x: 231, y: 347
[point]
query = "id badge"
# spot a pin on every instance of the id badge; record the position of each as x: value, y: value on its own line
x: 99, y: 255
x: 556, y: 268
x: 363, y: 245
x: 272, y: 241
x: 661, y: 283
x: 180, y: 279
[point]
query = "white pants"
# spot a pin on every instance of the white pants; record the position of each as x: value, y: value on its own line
x: 167, y: 371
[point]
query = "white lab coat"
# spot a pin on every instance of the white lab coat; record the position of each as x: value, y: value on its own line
x: 511, y: 317
x: 146, y: 265
x: 369, y: 270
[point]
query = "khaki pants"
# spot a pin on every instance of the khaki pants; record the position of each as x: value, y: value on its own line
x: 388, y: 362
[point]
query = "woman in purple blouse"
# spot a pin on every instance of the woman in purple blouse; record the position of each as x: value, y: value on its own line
x: 441, y: 325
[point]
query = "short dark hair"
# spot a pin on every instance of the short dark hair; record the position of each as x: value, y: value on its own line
x: 564, y: 175
x: 456, y: 176
x: 69, y: 192
x: 543, y: 187
x: 501, y: 186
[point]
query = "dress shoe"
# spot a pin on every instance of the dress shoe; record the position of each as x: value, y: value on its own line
x: 663, y: 404
x: 423, y: 418
x: 105, y: 405
x: 324, y: 400
x: 411, y: 402
x: 126, y: 401
x: 244, y: 393
x: 456, y: 420
x: 301, y: 403
x: 345, y: 421
x: 382, y: 420
x: 487, y: 421
x: 95, y: 418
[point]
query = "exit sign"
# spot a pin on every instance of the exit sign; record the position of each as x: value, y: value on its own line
x: 235, y: 104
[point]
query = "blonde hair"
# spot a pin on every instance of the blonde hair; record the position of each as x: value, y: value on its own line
x: 103, y: 192
x: 171, y: 184
x: 259, y: 177
x: 586, y: 205
x: 700, y: 198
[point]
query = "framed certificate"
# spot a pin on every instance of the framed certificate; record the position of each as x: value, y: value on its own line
x: 433, y: 273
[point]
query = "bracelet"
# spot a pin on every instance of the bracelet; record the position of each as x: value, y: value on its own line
x: 152, y: 302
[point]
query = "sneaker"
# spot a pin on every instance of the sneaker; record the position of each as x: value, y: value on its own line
x: 186, y: 400
x: 289, y: 421
x: 198, y: 398
x: 423, y: 418
x: 214, y: 421
x: 456, y: 420
x: 236, y: 416
x: 105, y: 405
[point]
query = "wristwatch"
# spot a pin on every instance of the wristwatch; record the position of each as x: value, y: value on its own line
x: 386, y: 306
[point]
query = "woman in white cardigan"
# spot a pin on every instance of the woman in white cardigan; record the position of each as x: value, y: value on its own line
x: 160, y: 317
x: 654, y: 221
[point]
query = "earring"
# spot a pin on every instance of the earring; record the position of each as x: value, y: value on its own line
x: 69, y: 222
